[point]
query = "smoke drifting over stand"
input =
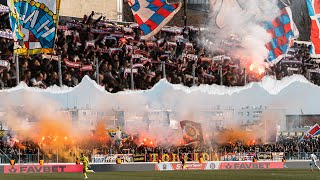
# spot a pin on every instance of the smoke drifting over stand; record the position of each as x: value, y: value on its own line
x: 187, y: 103
x: 241, y: 20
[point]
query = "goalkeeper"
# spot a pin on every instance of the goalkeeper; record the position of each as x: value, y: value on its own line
x: 85, y: 163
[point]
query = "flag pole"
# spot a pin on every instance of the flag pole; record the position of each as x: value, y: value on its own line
x: 16, y: 56
x: 59, y: 70
x: 182, y: 129
x: 185, y: 13
x: 55, y: 39
x: 57, y: 16
x: 131, y: 75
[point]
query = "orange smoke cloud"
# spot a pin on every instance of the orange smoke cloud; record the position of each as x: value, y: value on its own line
x: 146, y: 140
x: 54, y: 133
x: 99, y: 137
x: 236, y: 136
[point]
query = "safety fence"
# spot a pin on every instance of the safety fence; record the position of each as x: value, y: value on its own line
x: 300, y: 155
x: 188, y: 157
x: 35, y: 158
x: 154, y: 157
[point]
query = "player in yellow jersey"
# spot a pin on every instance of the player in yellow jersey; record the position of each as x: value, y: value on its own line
x: 85, y: 163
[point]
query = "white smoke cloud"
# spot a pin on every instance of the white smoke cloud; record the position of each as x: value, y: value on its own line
x: 187, y: 104
x: 242, y: 18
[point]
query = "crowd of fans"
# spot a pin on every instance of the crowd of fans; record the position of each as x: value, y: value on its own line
x: 26, y: 151
x: 89, y: 44
x: 298, y: 61
x: 292, y: 147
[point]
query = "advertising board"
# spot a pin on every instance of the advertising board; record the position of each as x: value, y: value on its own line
x: 42, y: 169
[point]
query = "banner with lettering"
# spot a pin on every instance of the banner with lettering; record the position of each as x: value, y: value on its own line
x: 57, y: 168
x: 277, y: 156
x: 4, y: 65
x: 229, y: 157
x: 34, y: 24
x: 237, y: 157
x: 139, y: 158
x: 188, y: 166
x: 112, y: 158
x: 264, y: 156
x: 192, y: 57
x: 250, y: 165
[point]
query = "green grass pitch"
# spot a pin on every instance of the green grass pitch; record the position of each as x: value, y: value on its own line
x: 184, y: 175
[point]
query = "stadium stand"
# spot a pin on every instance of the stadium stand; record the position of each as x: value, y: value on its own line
x: 80, y: 43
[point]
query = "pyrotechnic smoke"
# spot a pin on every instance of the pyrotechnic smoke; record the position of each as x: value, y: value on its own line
x: 52, y: 130
x: 154, y: 134
x: 144, y: 116
x: 234, y: 136
x: 241, y: 18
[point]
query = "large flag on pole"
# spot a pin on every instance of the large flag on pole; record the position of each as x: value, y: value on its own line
x: 312, y: 132
x: 314, y: 12
x: 192, y: 132
x: 118, y: 135
x: 152, y: 15
x: 282, y: 29
x: 34, y: 24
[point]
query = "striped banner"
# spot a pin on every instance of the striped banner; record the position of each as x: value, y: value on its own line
x: 314, y: 12
x: 152, y: 15
x: 282, y: 29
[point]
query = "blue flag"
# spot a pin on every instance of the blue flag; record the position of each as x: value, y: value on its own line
x: 152, y: 15
x: 34, y: 25
x: 282, y: 29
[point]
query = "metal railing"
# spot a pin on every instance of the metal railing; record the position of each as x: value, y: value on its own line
x: 54, y: 158
x: 28, y: 158
x: 300, y: 155
x: 35, y: 158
